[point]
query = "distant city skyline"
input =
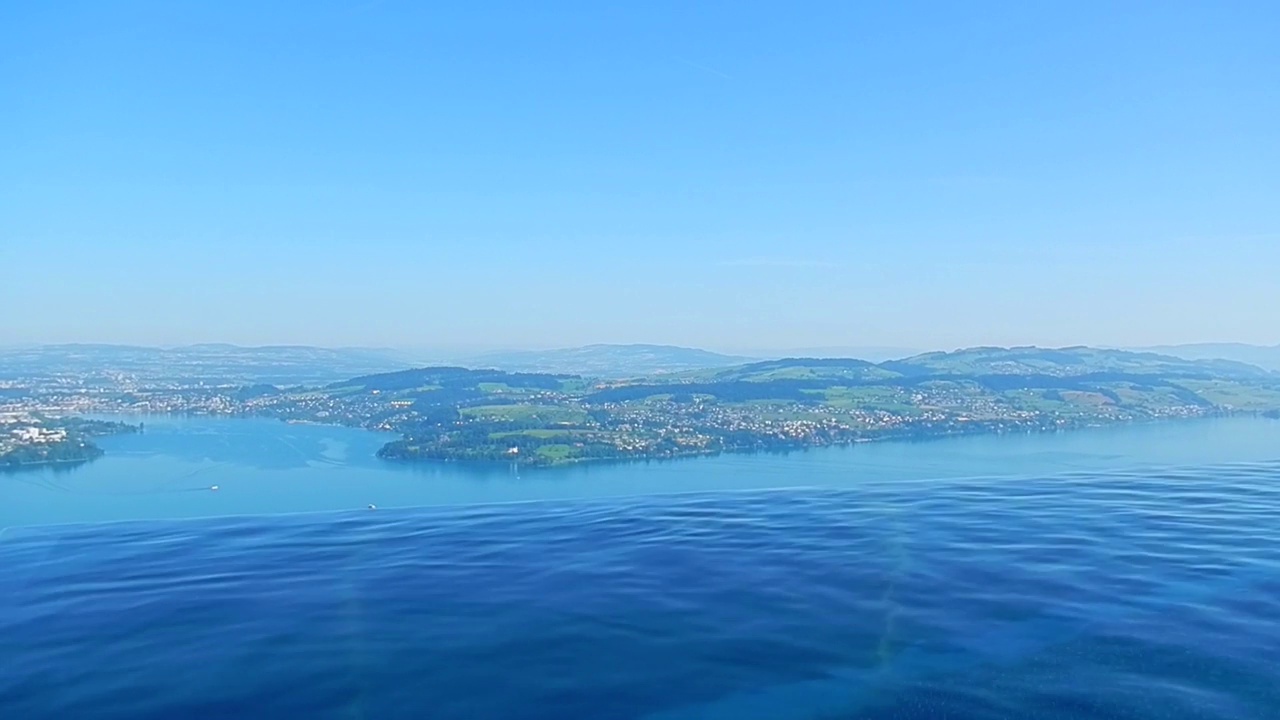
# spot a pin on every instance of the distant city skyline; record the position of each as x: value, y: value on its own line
x: 732, y: 177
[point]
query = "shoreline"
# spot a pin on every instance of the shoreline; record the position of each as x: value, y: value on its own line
x: 603, y: 461
x: 31, y: 465
x: 884, y: 439
x: 280, y: 471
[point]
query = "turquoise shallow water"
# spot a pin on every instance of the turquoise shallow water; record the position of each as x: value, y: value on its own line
x: 1129, y: 573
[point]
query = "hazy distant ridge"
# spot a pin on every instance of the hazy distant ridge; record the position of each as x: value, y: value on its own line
x: 212, y: 362
x: 294, y: 364
x: 603, y: 360
x: 1263, y: 356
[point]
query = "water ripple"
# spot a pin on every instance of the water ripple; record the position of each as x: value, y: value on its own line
x: 1124, y: 595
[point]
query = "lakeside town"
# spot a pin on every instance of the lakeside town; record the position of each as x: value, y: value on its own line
x: 460, y: 414
x: 29, y: 438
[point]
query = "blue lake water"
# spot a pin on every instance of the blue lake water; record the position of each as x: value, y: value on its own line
x: 1125, y: 573
x: 269, y: 467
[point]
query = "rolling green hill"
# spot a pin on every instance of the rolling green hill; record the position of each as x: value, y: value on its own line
x: 540, y: 418
x: 1064, y: 362
x: 1263, y: 356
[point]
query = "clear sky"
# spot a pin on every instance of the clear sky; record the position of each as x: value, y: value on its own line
x: 722, y: 174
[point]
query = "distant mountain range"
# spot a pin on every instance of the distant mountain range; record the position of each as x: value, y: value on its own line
x: 1263, y: 356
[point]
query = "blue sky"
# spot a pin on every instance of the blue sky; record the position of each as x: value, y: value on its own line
x: 730, y: 175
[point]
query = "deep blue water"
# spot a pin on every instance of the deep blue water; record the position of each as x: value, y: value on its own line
x: 1143, y: 584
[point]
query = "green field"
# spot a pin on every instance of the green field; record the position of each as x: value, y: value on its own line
x: 544, y: 414
x: 541, y: 434
x: 1236, y: 395
x: 555, y: 453
x: 867, y: 398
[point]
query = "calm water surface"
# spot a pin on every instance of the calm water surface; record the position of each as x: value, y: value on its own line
x: 1132, y: 573
x: 268, y: 467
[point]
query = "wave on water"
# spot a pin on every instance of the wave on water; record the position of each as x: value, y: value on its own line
x: 1121, y: 595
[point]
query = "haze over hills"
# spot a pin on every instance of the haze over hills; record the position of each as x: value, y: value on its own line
x: 870, y: 353
x: 633, y: 360
x: 1263, y: 356
x: 295, y: 365
x: 636, y: 360
x: 978, y: 362
x: 795, y: 368
x: 1063, y: 362
x: 605, y: 360
x: 213, y: 362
